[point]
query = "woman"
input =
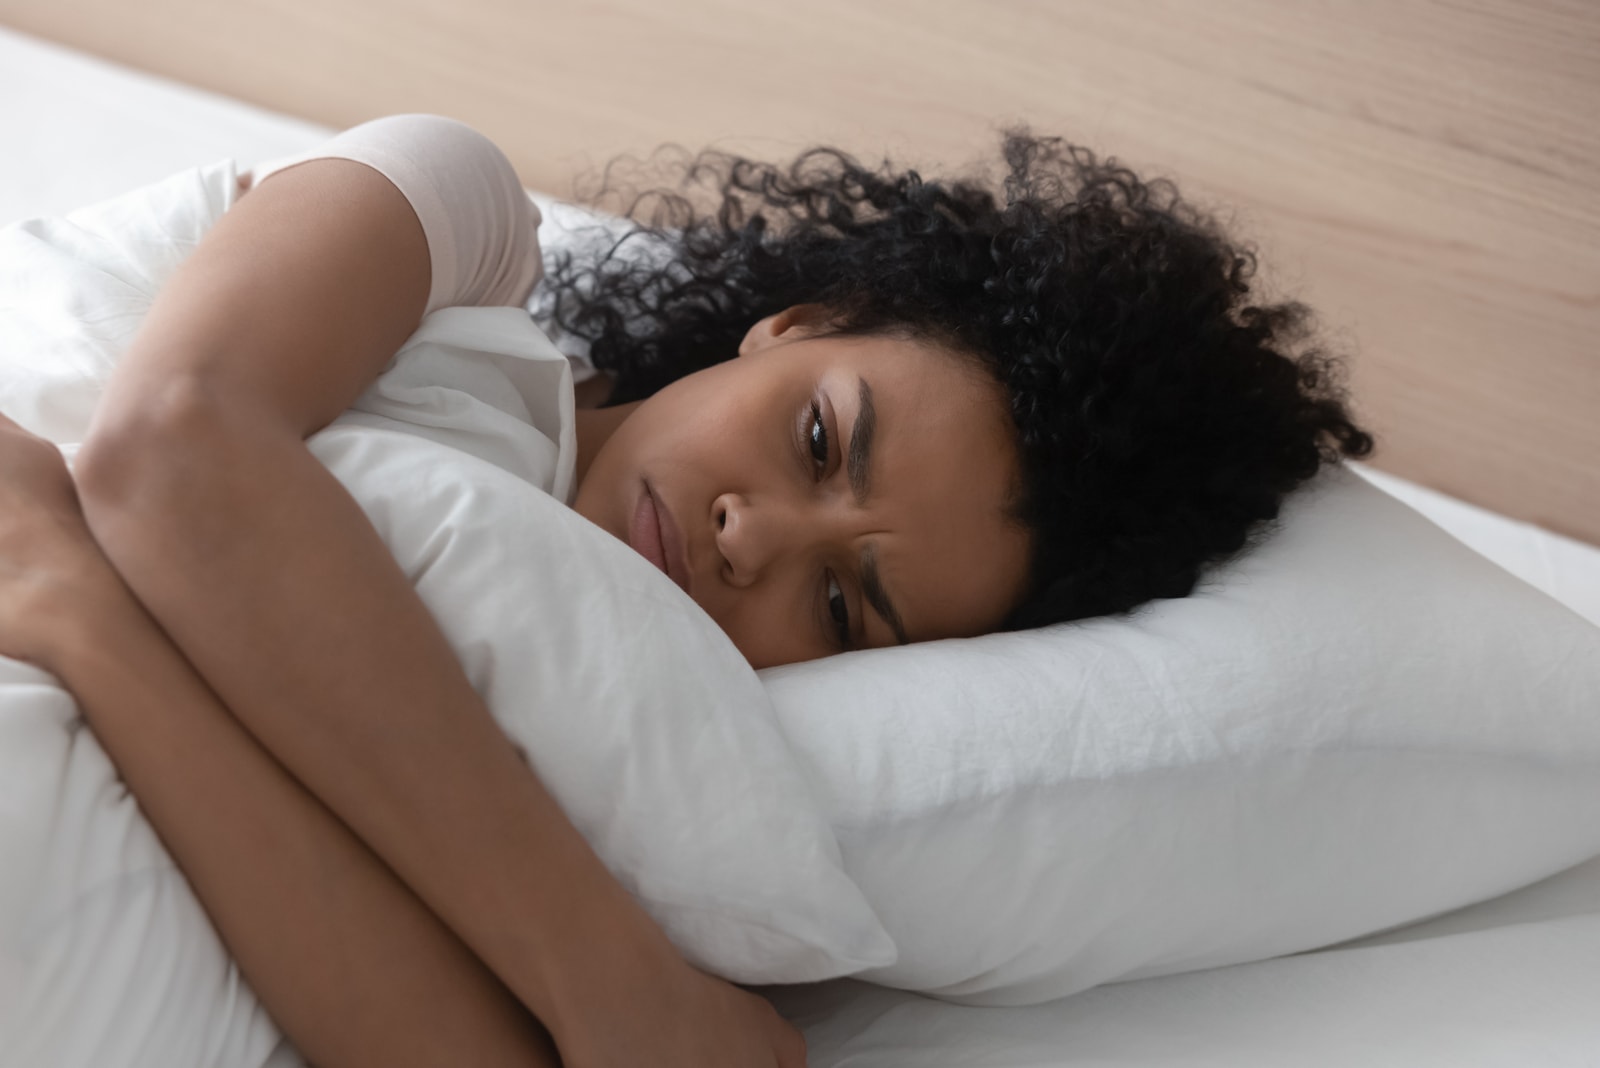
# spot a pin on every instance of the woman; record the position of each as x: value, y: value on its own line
x: 849, y: 409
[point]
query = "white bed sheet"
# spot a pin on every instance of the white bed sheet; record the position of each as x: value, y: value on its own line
x: 1512, y: 982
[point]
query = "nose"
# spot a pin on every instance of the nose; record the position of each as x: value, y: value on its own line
x: 753, y: 537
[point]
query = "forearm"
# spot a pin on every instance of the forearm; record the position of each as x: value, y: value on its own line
x: 353, y: 967
x: 323, y: 650
x: 197, y: 484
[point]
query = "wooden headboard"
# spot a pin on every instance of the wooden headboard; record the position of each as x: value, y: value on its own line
x: 1426, y: 174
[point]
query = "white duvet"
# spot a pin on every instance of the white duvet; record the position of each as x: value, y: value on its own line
x: 459, y: 455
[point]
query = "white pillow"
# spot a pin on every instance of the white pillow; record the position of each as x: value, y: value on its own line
x: 1357, y: 724
x: 637, y: 712
x: 106, y: 956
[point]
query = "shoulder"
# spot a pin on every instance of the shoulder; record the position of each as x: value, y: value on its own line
x: 434, y: 147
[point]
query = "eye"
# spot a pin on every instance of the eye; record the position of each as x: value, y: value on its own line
x: 818, y: 439
x: 838, y: 611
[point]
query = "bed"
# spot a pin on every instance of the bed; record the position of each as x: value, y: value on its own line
x: 1510, y: 981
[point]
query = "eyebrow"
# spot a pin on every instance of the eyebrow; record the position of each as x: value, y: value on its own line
x: 859, y: 463
x: 859, y: 467
x: 878, y: 597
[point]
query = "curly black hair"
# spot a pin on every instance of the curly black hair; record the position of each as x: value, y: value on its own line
x: 1162, y: 414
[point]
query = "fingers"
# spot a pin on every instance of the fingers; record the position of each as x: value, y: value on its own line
x: 792, y: 1050
x: 32, y: 470
x: 21, y: 446
x: 14, y: 433
x: 787, y: 1043
x: 11, y: 426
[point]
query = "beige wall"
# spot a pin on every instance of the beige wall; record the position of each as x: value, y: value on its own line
x: 1425, y: 173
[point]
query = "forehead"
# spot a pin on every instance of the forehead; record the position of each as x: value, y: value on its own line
x: 944, y: 465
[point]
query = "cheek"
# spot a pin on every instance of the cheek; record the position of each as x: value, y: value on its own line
x: 767, y: 630
x: 709, y: 446
x: 730, y: 440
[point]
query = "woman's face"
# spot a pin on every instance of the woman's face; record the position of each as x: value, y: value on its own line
x: 822, y: 493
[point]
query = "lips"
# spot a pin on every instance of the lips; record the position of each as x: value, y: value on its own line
x: 655, y: 536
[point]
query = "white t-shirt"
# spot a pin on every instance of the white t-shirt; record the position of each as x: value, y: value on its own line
x: 482, y: 229
x: 477, y: 375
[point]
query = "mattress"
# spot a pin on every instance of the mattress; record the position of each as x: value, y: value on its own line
x: 1508, y: 982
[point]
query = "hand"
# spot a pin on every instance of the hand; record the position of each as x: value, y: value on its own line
x: 662, y: 1012
x: 52, y: 574
x: 704, y: 1023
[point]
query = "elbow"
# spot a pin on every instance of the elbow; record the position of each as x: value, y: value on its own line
x: 149, y: 469
x: 130, y: 446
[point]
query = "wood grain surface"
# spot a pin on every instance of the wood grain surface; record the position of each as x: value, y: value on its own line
x: 1425, y: 173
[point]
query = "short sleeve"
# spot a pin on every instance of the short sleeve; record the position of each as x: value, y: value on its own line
x: 481, y: 227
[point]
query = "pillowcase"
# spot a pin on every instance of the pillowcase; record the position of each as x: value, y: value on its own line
x: 1356, y: 724
x: 106, y: 955
x: 636, y: 711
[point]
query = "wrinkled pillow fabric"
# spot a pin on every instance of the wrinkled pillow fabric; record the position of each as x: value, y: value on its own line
x: 636, y: 711
x: 1356, y: 724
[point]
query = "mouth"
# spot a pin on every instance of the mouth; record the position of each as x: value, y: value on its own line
x: 654, y: 535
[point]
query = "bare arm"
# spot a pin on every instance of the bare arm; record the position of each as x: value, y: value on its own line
x: 348, y: 962
x: 198, y: 486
